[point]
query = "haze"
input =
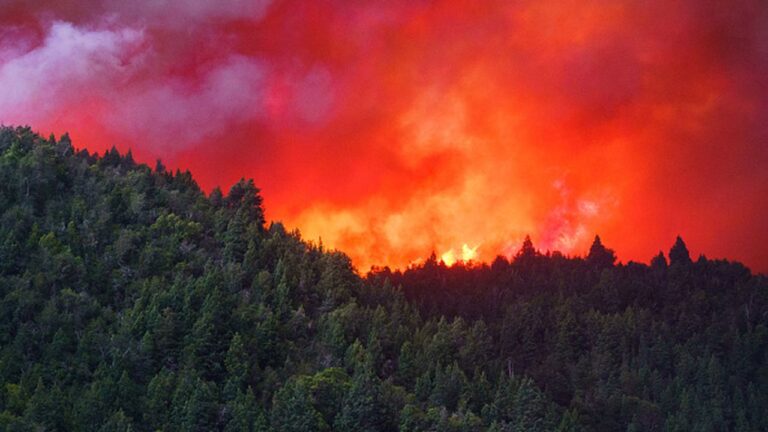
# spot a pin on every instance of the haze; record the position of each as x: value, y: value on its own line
x: 394, y: 129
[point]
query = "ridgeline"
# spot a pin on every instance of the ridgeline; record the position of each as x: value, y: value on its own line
x: 132, y: 301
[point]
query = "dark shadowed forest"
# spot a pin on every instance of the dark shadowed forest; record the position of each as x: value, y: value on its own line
x: 130, y: 300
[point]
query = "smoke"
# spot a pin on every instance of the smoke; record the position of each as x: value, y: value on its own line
x: 166, y: 13
x: 39, y: 81
x: 185, y: 112
x: 392, y: 129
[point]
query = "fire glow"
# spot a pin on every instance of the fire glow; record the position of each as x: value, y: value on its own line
x: 466, y: 255
x: 391, y: 130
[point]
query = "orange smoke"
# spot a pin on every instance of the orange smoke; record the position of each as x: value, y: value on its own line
x: 392, y: 130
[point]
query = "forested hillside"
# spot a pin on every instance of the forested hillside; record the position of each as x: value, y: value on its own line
x: 131, y: 300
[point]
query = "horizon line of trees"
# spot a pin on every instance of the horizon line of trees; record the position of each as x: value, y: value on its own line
x: 132, y: 301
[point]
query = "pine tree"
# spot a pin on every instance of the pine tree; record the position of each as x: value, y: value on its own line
x: 362, y: 410
x: 236, y: 363
x: 599, y: 256
x: 678, y: 254
x: 118, y: 422
x: 292, y: 410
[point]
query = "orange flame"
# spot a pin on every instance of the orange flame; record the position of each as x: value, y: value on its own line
x: 391, y: 131
x: 467, y: 255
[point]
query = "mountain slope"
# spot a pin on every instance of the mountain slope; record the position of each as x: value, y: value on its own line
x: 130, y: 300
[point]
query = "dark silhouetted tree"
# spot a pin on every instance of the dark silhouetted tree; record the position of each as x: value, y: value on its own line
x: 599, y: 256
x: 679, y: 253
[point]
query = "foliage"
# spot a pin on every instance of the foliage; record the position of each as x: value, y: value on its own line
x: 131, y: 300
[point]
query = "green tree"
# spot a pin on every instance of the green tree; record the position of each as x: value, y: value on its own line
x: 362, y: 409
x: 292, y: 410
x: 237, y: 364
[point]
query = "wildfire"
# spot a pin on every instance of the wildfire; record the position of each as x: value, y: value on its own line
x: 391, y: 132
x: 468, y: 254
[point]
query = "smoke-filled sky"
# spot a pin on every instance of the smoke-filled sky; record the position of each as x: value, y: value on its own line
x: 394, y: 128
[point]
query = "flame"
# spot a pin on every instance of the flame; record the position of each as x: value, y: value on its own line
x: 390, y: 131
x: 449, y: 258
x: 468, y: 254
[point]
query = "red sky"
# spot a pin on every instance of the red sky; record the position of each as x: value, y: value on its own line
x: 393, y: 128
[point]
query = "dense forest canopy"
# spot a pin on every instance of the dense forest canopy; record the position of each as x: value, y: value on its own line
x: 130, y: 300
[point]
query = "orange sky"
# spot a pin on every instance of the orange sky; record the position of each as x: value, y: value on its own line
x: 392, y: 129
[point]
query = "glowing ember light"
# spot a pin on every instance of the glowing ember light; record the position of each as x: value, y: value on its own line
x: 449, y: 258
x: 468, y: 254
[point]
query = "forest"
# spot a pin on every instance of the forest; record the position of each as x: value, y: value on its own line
x: 131, y: 300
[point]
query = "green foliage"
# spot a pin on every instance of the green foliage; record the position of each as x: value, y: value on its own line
x: 362, y: 409
x: 292, y: 409
x: 131, y: 301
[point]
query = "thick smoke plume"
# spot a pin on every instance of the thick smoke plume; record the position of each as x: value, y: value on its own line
x: 392, y: 129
